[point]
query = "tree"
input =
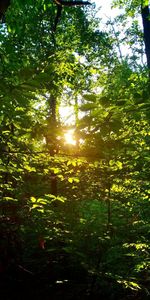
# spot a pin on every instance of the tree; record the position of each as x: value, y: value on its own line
x: 69, y: 216
x: 146, y: 28
x: 142, y: 8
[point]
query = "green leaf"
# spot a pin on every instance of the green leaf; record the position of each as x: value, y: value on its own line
x: 10, y: 199
x: 36, y: 206
x: 70, y: 179
x: 73, y: 179
x: 88, y: 106
x: 91, y: 97
x: 61, y: 199
x: 119, y: 164
x: 33, y: 199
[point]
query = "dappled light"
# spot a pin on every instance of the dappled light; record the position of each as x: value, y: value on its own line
x: 74, y: 150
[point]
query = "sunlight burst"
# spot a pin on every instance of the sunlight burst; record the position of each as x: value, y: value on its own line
x: 69, y: 137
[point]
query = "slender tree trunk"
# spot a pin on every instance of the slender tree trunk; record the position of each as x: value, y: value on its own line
x: 76, y: 111
x: 109, y: 206
x: 53, y: 145
x: 52, y: 106
x: 145, y: 13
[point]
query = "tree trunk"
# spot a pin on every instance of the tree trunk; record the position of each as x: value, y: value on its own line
x: 53, y: 143
x: 3, y: 7
x: 145, y: 13
x: 52, y: 106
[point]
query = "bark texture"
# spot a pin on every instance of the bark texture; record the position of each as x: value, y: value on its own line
x: 145, y: 12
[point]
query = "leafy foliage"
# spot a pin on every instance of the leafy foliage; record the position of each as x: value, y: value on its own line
x: 74, y: 218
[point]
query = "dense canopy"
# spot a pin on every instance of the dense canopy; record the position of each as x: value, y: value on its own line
x: 75, y: 150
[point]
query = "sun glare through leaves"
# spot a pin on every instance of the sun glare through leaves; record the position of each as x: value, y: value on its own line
x: 69, y: 137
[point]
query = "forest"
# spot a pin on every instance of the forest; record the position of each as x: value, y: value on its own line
x: 74, y: 150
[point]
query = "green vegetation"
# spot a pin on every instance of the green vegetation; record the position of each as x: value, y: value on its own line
x: 74, y: 215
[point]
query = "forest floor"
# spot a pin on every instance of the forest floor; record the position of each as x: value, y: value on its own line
x: 59, y: 281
